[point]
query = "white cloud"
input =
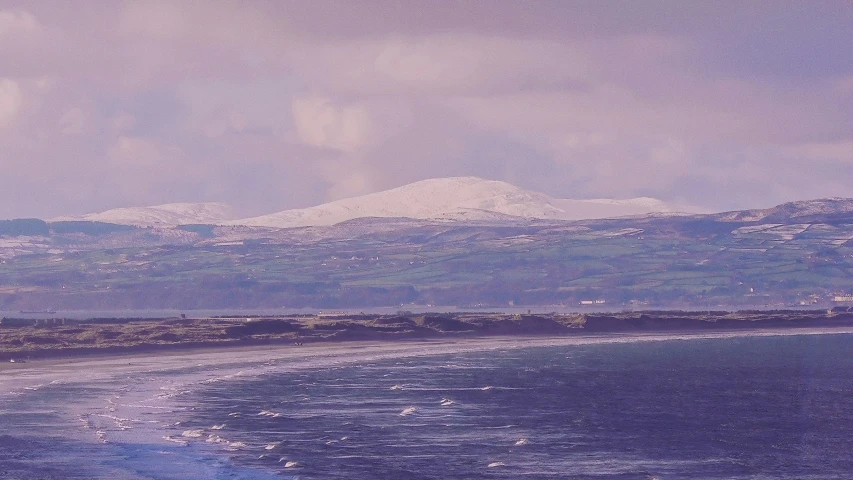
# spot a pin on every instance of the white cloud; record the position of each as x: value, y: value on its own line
x: 17, y: 22
x: 73, y: 122
x: 221, y: 96
x: 320, y: 122
x: 446, y: 64
x: 144, y: 152
x: 11, y: 100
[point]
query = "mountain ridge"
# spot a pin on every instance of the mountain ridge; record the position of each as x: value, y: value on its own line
x: 169, y: 214
x: 791, y: 210
x: 798, y: 253
x: 456, y: 199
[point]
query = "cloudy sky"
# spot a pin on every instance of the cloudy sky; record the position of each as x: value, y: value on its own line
x: 272, y: 104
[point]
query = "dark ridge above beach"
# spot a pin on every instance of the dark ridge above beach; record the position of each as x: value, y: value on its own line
x: 44, y: 338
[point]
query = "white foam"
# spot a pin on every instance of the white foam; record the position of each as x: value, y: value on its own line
x: 397, y: 387
x: 446, y: 402
x: 215, y: 439
x: 522, y: 441
x: 268, y: 413
x: 487, y: 388
x: 192, y: 433
x: 172, y: 439
x: 408, y: 411
x: 272, y: 446
x: 218, y: 427
x: 496, y: 464
x: 141, y: 381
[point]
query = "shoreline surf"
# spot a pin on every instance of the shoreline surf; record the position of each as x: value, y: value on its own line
x: 136, y: 403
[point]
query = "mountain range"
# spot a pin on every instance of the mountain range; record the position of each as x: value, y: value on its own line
x: 171, y: 214
x: 442, y: 199
x: 458, y: 241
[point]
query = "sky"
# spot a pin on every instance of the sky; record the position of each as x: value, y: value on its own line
x: 268, y: 105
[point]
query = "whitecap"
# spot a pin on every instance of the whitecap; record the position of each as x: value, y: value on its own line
x: 289, y: 464
x: 522, y: 441
x: 192, y: 433
x: 272, y: 446
x: 172, y: 439
x: 218, y: 427
x: 446, y: 402
x: 496, y: 464
x: 215, y: 439
x: 408, y: 411
x: 397, y: 387
x: 486, y: 388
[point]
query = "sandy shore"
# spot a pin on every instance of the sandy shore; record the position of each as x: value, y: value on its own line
x: 50, y: 369
x: 22, y: 339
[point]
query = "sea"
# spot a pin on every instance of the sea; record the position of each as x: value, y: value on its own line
x: 712, y: 406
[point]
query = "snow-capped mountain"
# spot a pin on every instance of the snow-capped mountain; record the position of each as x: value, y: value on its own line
x: 457, y: 199
x: 171, y: 214
x: 792, y: 211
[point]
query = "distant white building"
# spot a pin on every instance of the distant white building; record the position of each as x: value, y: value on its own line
x: 843, y: 298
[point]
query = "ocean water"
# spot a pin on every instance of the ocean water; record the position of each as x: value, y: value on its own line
x: 744, y: 407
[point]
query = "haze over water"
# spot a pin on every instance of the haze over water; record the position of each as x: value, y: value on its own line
x: 728, y: 407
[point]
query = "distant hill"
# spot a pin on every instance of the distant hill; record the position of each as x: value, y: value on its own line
x: 171, y: 214
x: 457, y: 199
x: 463, y: 242
x: 806, y: 210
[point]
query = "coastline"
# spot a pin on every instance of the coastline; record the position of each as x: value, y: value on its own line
x: 177, y: 355
x: 136, y: 406
x: 26, y: 340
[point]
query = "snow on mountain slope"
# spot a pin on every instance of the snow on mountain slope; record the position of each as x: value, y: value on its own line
x: 791, y: 210
x: 457, y: 198
x: 170, y: 214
